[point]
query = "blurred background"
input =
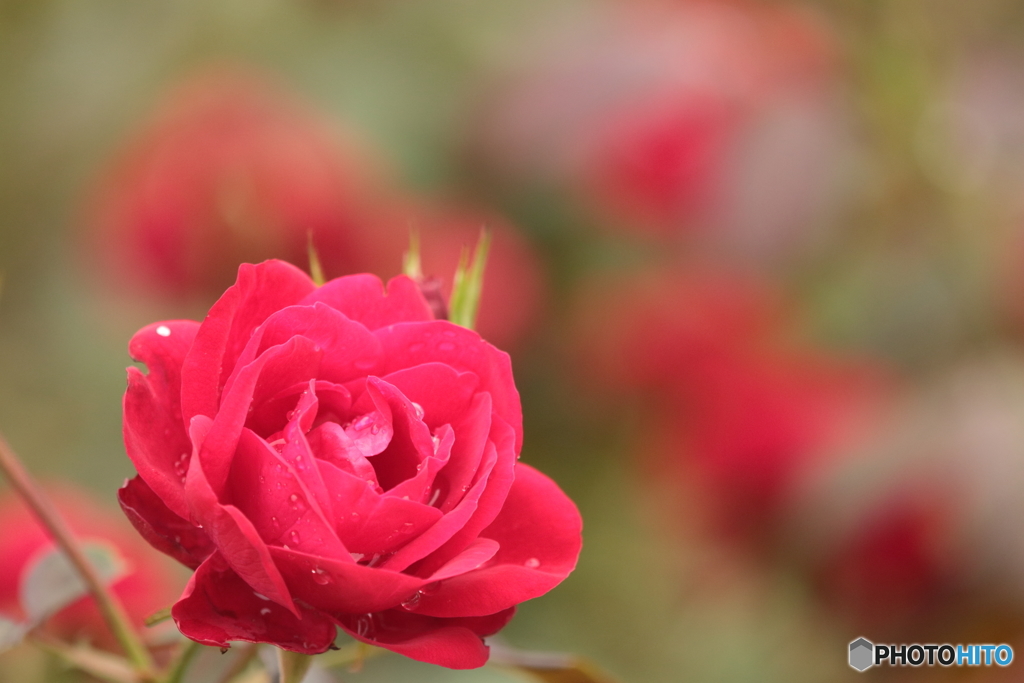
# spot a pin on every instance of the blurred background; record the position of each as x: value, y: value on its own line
x: 760, y: 267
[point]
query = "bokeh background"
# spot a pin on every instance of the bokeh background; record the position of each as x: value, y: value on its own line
x: 760, y: 267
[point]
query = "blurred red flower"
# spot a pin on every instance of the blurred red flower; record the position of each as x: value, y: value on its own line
x: 733, y: 397
x: 230, y: 168
x: 718, y: 119
x: 148, y: 584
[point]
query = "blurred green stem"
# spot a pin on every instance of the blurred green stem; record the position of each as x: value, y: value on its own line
x: 111, y: 608
x: 176, y: 671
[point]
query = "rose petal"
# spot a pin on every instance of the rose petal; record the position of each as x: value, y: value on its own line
x: 479, y: 551
x: 338, y: 587
x: 362, y: 298
x: 449, y: 525
x: 230, y: 530
x: 350, y: 350
x: 331, y: 444
x: 421, y: 488
x: 454, y: 643
x: 411, y: 442
x: 472, y: 430
x: 270, y: 493
x: 161, y: 527
x: 371, y: 524
x: 259, y: 291
x: 154, y: 434
x: 408, y: 344
x: 491, y: 501
x: 538, y: 531
x: 279, y: 367
x: 441, y: 392
x: 218, y: 607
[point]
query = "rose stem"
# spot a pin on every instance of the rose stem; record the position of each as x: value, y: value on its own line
x: 176, y: 671
x: 110, y: 606
x: 240, y: 664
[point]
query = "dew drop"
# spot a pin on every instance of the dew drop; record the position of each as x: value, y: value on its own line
x: 354, y: 515
x: 273, y: 520
x: 363, y: 625
x: 430, y: 588
x: 414, y: 348
x: 265, y: 611
x: 356, y: 556
x: 532, y: 563
x: 419, y: 410
x: 163, y: 331
x: 262, y: 597
x: 410, y: 604
x: 320, y: 576
x: 434, y: 497
x: 294, y: 536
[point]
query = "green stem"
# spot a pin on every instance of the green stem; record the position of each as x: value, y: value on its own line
x: 293, y: 665
x: 176, y: 671
x: 111, y: 608
x: 101, y: 665
x: 240, y: 664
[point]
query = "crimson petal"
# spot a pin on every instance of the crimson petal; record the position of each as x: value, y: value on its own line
x: 161, y: 527
x: 218, y: 607
x: 538, y: 532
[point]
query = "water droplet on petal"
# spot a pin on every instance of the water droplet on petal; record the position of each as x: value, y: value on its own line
x: 532, y: 563
x: 320, y: 576
x: 434, y: 497
x: 294, y: 536
x: 261, y: 596
x: 163, y: 331
x: 364, y: 625
x: 419, y: 410
x: 410, y: 604
x: 265, y: 611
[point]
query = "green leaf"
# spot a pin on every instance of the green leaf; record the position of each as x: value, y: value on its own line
x: 11, y: 633
x: 51, y: 582
x: 468, y: 283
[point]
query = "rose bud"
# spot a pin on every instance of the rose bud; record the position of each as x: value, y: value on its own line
x: 230, y: 168
x: 145, y: 585
x: 334, y: 456
x: 719, y: 122
x: 513, y: 296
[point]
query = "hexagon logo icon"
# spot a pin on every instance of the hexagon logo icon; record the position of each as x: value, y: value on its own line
x: 862, y: 653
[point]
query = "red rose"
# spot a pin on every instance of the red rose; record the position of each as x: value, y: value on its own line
x: 335, y: 456
x: 146, y: 585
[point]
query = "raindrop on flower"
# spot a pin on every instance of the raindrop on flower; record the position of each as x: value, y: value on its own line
x: 294, y: 536
x: 419, y: 410
x: 532, y: 563
x: 163, y: 331
x: 410, y: 604
x: 320, y: 576
x: 265, y: 611
x: 363, y: 625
